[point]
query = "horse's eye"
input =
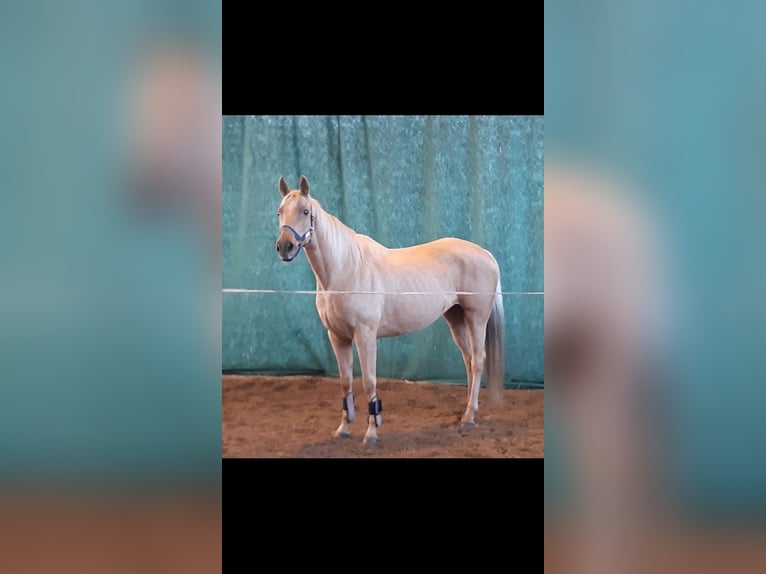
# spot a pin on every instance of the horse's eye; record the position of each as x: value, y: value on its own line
x: 305, y: 212
x: 277, y: 212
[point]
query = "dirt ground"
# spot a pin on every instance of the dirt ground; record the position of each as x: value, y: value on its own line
x: 296, y: 416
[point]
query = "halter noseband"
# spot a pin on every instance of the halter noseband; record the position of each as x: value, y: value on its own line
x: 301, y: 239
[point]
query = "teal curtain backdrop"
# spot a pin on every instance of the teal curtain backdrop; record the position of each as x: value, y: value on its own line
x: 401, y: 180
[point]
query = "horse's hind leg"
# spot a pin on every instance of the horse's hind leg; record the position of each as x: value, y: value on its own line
x: 455, y: 318
x: 477, y: 334
x: 367, y: 347
x: 344, y: 354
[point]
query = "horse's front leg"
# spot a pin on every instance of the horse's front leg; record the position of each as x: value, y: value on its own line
x: 344, y: 353
x: 366, y: 346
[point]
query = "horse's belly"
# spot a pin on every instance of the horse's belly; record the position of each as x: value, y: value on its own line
x: 409, y: 313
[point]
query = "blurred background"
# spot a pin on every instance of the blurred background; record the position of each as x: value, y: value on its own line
x: 110, y: 286
x: 654, y: 324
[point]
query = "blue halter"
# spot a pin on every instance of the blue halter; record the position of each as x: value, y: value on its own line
x: 301, y: 239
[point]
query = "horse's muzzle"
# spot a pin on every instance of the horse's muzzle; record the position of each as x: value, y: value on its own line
x: 287, y: 247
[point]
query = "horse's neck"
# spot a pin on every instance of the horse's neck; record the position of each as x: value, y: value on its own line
x: 334, y: 254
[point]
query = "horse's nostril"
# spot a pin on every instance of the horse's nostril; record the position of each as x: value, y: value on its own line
x: 289, y: 245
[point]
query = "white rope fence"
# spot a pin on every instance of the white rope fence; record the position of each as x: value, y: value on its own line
x: 330, y: 292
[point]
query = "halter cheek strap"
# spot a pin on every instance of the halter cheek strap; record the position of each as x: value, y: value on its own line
x: 301, y: 239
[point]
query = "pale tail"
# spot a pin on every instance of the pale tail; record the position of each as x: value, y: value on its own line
x: 495, y: 349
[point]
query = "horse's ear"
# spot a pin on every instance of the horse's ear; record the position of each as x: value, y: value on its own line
x: 284, y: 189
x: 304, y: 186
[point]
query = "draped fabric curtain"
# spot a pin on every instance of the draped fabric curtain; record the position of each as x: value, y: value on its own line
x: 401, y: 180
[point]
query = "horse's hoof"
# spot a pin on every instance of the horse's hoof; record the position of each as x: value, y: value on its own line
x: 467, y: 426
x: 342, y: 435
x: 371, y: 441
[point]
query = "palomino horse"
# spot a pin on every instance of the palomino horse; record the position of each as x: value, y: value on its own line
x: 366, y: 291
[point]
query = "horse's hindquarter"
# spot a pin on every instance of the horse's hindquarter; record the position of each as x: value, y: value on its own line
x: 473, y: 267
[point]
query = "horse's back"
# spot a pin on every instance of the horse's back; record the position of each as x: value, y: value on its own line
x: 455, y: 249
x: 468, y: 261
x: 448, y: 263
x: 449, y: 248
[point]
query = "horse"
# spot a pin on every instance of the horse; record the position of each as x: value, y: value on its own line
x: 366, y: 291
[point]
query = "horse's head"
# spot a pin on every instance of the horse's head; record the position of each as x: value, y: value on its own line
x: 296, y: 219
